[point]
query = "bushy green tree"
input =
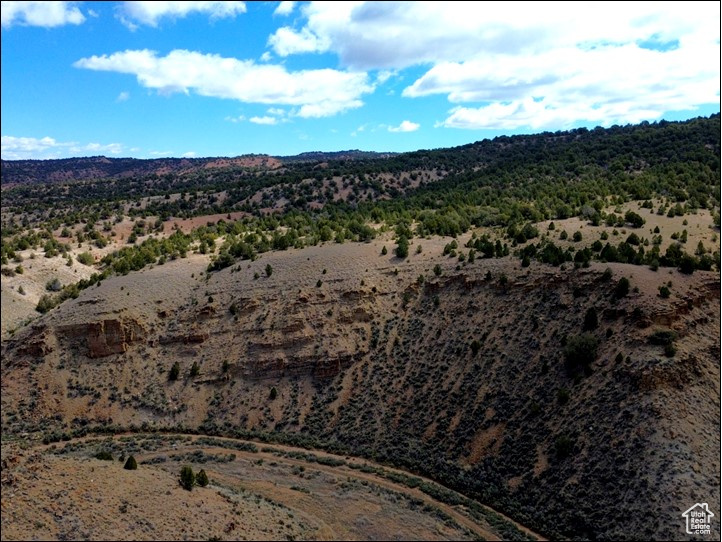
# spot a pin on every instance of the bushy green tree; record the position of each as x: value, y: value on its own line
x: 187, y: 478
x: 202, y: 478
x: 402, y: 247
x: 622, y: 288
x: 634, y: 219
x: 580, y: 352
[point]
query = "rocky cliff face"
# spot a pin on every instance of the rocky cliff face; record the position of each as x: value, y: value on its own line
x: 104, y: 338
x: 460, y: 377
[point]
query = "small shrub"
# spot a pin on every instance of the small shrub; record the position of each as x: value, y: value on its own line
x: 104, y: 455
x: 664, y: 292
x: 53, y: 285
x: 195, y: 369
x: 580, y: 352
x: 384, y: 251
x: 45, y: 304
x: 174, y: 371
x: 131, y: 464
x: 269, y: 270
x: 273, y: 393
x: 86, y: 258
x: 202, y: 478
x: 622, y: 288
x: 663, y: 337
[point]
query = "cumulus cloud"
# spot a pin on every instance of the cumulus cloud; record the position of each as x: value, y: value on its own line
x: 285, y: 8
x: 123, y: 96
x: 286, y: 41
x: 541, y: 63
x: 96, y: 148
x: 149, y: 13
x: 315, y: 93
x: 30, y: 148
x: 263, y: 120
x: 405, y: 126
x: 526, y: 94
x: 45, y: 14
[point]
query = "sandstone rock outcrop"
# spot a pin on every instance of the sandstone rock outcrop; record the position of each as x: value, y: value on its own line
x: 106, y: 337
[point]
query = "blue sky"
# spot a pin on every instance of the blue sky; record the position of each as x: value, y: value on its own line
x: 153, y: 79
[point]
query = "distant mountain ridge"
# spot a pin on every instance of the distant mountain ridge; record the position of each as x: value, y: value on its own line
x: 354, y: 154
x: 102, y: 167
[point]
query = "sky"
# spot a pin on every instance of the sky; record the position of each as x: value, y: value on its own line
x: 195, y: 79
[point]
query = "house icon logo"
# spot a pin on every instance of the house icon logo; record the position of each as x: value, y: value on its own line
x: 699, y: 519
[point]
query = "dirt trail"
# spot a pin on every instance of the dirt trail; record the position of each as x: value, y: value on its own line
x: 457, y: 513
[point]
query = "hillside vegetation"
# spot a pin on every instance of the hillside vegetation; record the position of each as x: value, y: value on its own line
x: 531, y: 321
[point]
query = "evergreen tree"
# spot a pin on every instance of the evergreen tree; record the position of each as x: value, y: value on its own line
x: 590, y: 320
x: 402, y: 247
x: 202, y: 478
x: 187, y: 478
x: 130, y: 464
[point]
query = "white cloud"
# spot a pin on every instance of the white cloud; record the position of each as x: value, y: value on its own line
x: 239, y: 118
x: 189, y: 154
x: 123, y: 96
x: 266, y: 57
x: 276, y: 111
x: 541, y: 63
x: 46, y: 14
x: 286, y: 41
x: 160, y: 154
x: 316, y: 93
x: 385, y: 75
x: 405, y: 126
x: 96, y: 149
x: 263, y: 120
x: 149, y: 13
x: 529, y: 93
x: 285, y: 8
x: 30, y: 148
